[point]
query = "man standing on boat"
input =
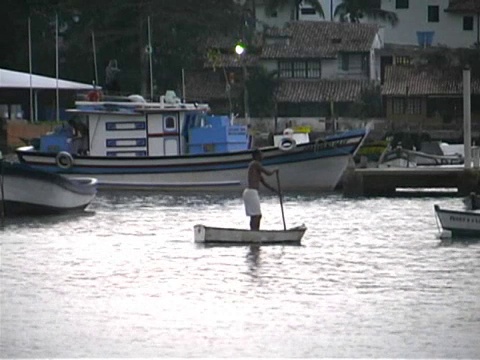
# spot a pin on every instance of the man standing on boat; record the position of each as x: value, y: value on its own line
x: 251, y: 198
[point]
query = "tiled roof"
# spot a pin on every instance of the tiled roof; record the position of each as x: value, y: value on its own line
x: 464, y: 6
x: 318, y: 39
x: 208, y: 86
x: 232, y: 61
x: 423, y: 82
x: 322, y: 90
x: 228, y: 42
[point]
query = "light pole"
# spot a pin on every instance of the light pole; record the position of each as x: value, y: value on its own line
x: 240, y: 50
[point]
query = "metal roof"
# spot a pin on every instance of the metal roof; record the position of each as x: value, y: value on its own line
x: 10, y: 79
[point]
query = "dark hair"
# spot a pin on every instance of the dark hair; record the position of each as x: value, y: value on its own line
x: 256, y: 153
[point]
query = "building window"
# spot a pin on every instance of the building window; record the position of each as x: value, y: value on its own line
x: 344, y: 62
x: 401, y: 4
x: 433, y: 13
x: 299, y: 69
x: 285, y: 69
x: 314, y: 69
x: 308, y: 11
x: 398, y: 106
x: 414, y: 106
x: 402, y: 60
x: 468, y: 23
x: 365, y: 64
x: 411, y: 106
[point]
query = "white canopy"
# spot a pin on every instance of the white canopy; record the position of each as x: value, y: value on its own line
x: 10, y: 79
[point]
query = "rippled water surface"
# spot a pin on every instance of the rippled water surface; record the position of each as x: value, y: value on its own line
x: 371, y: 279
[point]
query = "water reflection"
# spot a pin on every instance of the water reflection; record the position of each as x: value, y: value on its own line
x: 44, y: 220
x: 458, y: 241
x: 129, y: 269
x: 253, y: 257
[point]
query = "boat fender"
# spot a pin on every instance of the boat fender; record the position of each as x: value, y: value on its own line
x: 64, y: 160
x: 287, y: 144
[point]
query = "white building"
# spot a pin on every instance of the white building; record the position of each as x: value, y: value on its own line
x: 290, y: 12
x: 307, y: 12
x: 454, y: 23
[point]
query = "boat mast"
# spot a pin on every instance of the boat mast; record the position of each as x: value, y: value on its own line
x: 32, y: 119
x: 94, y: 49
x: 150, y: 57
x: 56, y: 69
x: 184, y: 98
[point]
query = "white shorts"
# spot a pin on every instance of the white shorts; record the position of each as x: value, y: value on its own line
x: 252, y: 202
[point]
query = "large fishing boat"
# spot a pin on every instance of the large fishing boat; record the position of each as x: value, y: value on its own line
x: 172, y: 145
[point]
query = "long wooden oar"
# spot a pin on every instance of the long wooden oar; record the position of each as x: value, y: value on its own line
x: 281, y: 200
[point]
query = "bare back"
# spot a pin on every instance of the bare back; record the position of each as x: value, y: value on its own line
x: 255, y: 170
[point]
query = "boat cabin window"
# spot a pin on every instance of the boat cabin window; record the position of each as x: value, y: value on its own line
x: 169, y: 123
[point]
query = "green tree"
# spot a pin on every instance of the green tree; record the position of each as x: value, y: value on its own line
x: 120, y: 29
x: 261, y: 86
x: 355, y: 10
x: 443, y: 60
x: 369, y: 104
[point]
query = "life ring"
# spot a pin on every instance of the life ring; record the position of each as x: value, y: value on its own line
x: 94, y: 95
x: 64, y: 160
x: 287, y: 144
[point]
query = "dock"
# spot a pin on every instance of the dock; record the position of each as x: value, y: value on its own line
x: 387, y: 181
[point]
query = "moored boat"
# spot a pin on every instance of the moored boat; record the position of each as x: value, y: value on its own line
x: 27, y: 191
x: 456, y: 223
x: 172, y: 145
x: 229, y: 236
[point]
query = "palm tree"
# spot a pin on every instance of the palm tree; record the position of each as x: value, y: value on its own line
x: 354, y: 10
x: 272, y: 5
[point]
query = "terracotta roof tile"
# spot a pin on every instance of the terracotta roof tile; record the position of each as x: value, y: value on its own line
x: 318, y: 39
x: 464, y: 6
x: 422, y: 82
x: 321, y: 90
x: 232, y: 61
x: 228, y: 42
x: 208, y: 86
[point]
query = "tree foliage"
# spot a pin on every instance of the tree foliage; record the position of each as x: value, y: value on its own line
x: 261, y: 86
x: 445, y: 60
x: 120, y: 31
x: 370, y: 103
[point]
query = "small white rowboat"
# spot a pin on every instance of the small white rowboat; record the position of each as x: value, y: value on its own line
x: 207, y: 234
x: 459, y: 223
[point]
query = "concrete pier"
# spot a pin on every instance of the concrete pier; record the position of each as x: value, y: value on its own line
x: 386, y: 181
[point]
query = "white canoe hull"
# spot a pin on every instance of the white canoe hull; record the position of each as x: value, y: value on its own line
x: 29, y: 192
x: 459, y: 223
x: 207, y: 234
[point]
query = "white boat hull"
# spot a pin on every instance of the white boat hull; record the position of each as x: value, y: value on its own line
x: 207, y: 234
x: 29, y: 192
x: 459, y: 223
x: 315, y: 166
